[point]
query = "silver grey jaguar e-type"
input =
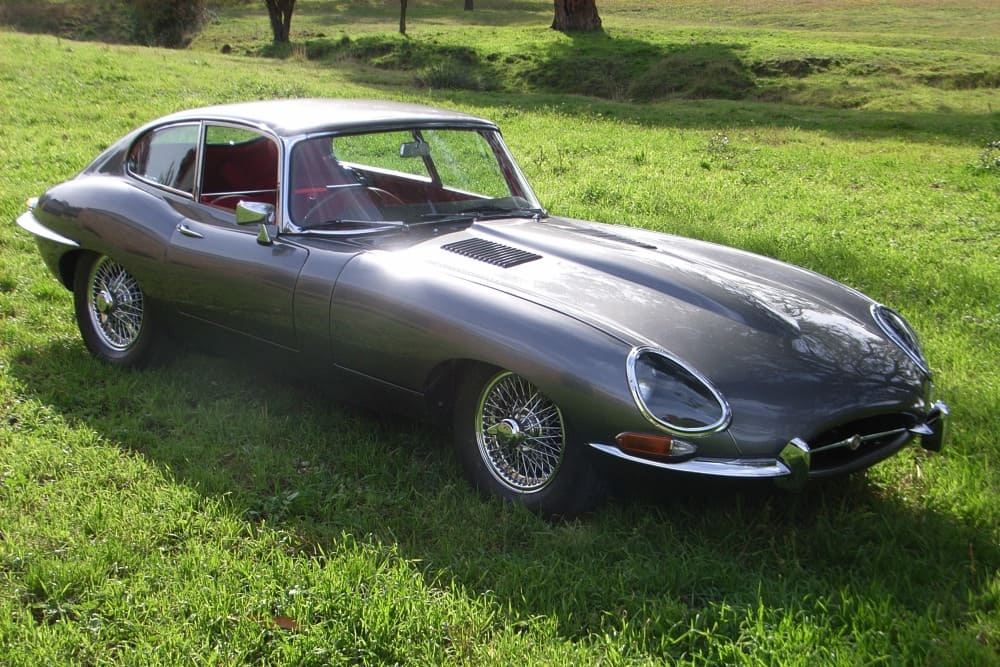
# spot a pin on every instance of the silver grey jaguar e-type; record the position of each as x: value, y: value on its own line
x: 399, y: 251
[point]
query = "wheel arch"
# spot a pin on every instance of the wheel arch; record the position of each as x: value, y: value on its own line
x: 441, y: 385
x: 67, y: 266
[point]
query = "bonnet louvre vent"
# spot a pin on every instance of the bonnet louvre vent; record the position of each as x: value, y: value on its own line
x: 491, y: 252
x: 611, y: 236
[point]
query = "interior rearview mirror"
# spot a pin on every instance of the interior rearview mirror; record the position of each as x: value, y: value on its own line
x: 415, y: 149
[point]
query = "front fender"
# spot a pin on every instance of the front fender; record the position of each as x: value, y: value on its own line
x: 398, y: 323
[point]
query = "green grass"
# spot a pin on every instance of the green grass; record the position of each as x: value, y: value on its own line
x: 844, y: 54
x: 203, y: 513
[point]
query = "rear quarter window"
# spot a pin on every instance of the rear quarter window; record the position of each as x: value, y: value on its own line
x: 166, y: 156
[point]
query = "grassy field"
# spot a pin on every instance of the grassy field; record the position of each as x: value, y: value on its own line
x: 202, y: 513
x: 846, y: 54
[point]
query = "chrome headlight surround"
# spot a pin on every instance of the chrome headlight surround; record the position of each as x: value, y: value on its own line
x: 899, y: 331
x: 642, y: 360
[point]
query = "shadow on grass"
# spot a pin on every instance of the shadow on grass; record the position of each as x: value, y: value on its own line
x: 592, y: 64
x: 617, y: 68
x: 676, y: 557
x: 448, y: 12
x: 698, y: 86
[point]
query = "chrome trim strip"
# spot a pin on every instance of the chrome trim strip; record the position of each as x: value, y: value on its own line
x: 29, y: 222
x: 846, y: 442
x: 199, y: 162
x: 746, y: 468
x: 633, y: 385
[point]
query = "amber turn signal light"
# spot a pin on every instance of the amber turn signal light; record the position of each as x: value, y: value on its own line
x: 645, y: 444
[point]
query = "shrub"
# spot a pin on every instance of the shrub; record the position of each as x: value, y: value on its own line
x: 169, y: 23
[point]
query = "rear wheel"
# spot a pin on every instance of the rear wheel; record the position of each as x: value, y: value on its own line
x: 113, y: 314
x: 513, y: 443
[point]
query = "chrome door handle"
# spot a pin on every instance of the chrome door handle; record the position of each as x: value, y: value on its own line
x: 187, y: 231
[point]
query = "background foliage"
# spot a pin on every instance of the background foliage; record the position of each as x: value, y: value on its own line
x: 169, y: 23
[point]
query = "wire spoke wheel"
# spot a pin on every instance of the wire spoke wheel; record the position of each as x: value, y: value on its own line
x: 115, y: 304
x: 520, y: 433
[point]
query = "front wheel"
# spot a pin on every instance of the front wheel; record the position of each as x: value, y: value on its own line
x: 513, y: 443
x: 113, y: 313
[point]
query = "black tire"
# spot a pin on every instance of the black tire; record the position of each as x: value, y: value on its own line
x: 513, y: 443
x: 114, y: 316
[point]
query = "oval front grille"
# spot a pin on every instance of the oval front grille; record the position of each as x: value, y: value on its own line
x: 841, y: 445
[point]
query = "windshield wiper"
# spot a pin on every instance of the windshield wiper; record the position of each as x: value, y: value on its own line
x: 477, y: 213
x: 348, y: 226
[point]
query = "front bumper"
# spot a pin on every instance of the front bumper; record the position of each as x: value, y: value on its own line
x: 28, y: 222
x: 794, y: 464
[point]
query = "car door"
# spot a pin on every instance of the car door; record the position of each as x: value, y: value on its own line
x: 220, y: 273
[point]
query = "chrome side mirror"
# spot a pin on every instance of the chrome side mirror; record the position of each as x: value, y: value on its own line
x: 256, y: 213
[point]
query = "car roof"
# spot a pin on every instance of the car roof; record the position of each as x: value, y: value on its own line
x: 305, y: 116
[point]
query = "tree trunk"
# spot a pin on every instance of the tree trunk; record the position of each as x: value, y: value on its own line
x: 576, y: 15
x: 468, y: 5
x: 280, y: 12
x: 402, y: 17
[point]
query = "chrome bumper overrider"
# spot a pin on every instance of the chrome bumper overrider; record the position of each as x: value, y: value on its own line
x: 791, y: 468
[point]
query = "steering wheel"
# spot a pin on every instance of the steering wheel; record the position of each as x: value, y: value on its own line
x: 379, y: 194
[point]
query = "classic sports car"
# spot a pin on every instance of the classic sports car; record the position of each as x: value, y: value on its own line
x: 399, y: 251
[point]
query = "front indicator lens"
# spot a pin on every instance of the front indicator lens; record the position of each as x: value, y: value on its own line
x: 656, y: 446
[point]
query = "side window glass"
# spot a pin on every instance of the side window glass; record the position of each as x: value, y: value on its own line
x: 239, y: 164
x: 166, y: 156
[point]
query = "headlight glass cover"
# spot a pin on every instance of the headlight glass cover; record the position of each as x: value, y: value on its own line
x: 901, y: 333
x: 673, y: 396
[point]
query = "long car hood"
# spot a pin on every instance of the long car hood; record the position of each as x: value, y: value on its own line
x: 770, y: 336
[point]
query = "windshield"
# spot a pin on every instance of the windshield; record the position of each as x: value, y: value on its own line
x: 398, y: 177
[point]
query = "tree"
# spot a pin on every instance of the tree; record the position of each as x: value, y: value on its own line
x: 280, y: 12
x: 402, y: 17
x: 468, y: 5
x: 576, y: 15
